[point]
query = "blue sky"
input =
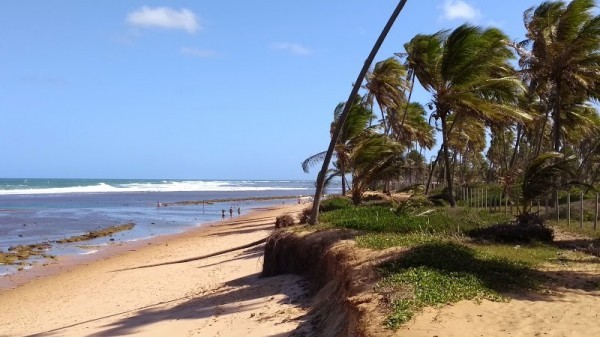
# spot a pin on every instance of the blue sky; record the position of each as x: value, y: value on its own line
x: 194, y: 89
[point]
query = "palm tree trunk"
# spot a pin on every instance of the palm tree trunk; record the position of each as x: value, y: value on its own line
x: 449, y: 179
x: 412, y: 85
x: 336, y: 134
x: 541, y: 138
x: 516, y: 149
x: 343, y: 172
x: 433, y: 166
x: 385, y: 127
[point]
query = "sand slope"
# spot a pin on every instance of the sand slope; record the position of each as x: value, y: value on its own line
x: 217, y: 296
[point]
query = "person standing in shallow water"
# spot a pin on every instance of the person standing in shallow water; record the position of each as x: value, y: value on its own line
x: 239, y: 212
x: 222, y: 214
x: 231, y: 212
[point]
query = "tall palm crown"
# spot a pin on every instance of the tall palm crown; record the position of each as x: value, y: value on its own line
x: 386, y: 84
x: 350, y: 135
x: 563, y: 62
x: 468, y: 72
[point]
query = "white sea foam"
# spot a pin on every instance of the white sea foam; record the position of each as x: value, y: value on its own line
x: 93, y: 251
x: 163, y: 186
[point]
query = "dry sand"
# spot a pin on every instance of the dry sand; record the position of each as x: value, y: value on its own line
x: 104, y: 296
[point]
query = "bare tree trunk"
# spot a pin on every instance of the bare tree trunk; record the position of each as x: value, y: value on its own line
x: 538, y: 148
x: 336, y: 134
x: 449, y: 178
x: 433, y: 165
x: 343, y: 172
x: 412, y: 85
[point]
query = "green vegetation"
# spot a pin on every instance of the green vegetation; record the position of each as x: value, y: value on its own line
x: 438, y: 263
x: 587, y: 230
x: 440, y: 273
x: 543, y: 129
x: 381, y: 241
x: 334, y: 203
x: 439, y: 221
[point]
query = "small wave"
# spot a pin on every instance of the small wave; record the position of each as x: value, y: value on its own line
x: 93, y: 251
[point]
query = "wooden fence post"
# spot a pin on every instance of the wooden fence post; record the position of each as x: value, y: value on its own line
x: 596, y: 217
x: 581, y: 205
x: 569, y: 209
x: 486, y: 199
x: 557, y: 209
x: 469, y: 197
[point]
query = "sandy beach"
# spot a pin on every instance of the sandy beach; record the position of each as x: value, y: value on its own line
x: 107, y: 294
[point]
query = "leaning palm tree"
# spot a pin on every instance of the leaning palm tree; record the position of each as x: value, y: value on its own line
x: 561, y: 57
x: 468, y: 72
x: 351, y: 131
x: 314, y: 216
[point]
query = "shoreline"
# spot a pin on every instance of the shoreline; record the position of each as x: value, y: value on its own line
x: 106, y: 295
x: 67, y: 262
x: 62, y: 249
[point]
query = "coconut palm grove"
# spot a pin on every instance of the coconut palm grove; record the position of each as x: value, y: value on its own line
x: 489, y: 183
x: 498, y: 104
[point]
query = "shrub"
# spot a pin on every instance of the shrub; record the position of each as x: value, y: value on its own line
x: 283, y: 221
x: 334, y: 204
x: 373, y: 197
x: 528, y: 228
x: 304, y: 216
x: 416, y: 201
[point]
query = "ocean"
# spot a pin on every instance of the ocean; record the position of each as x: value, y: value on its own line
x: 45, y: 210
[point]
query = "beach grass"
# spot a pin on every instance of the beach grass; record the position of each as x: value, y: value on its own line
x: 443, y: 221
x: 439, y: 264
x: 587, y: 230
x: 439, y: 273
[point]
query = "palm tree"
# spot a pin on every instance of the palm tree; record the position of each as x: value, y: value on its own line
x: 375, y: 158
x: 563, y: 62
x: 314, y: 216
x: 468, y: 72
x: 542, y: 177
x: 386, y: 85
x: 351, y: 131
x: 411, y: 127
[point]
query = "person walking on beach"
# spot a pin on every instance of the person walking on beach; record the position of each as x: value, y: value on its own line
x: 222, y: 214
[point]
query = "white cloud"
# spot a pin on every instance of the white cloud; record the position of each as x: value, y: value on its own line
x: 459, y: 10
x: 294, y: 48
x: 164, y: 17
x: 203, y: 53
